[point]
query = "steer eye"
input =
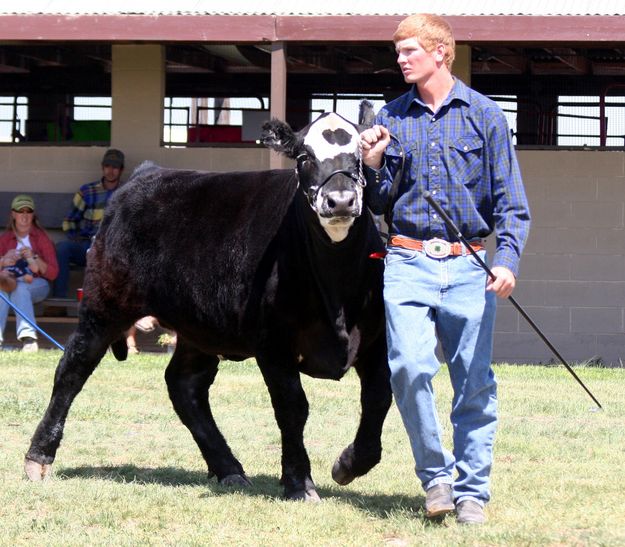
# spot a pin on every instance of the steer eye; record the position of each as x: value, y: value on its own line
x: 305, y: 163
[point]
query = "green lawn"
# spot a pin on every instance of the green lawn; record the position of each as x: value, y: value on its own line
x: 128, y: 473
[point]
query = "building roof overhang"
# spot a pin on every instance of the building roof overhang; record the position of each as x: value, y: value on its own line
x: 522, y: 29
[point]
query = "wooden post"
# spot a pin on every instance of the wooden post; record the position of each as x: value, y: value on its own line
x: 277, y: 100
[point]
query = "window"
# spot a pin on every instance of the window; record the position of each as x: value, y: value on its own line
x: 579, y: 121
x: 204, y: 120
x: 83, y: 119
x: 509, y: 105
x: 90, y: 120
x: 13, y: 113
x: 345, y: 104
x: 92, y: 108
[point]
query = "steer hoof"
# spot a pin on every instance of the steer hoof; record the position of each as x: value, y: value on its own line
x: 342, y: 470
x: 37, y: 471
x: 341, y: 474
x: 235, y: 480
x: 305, y: 495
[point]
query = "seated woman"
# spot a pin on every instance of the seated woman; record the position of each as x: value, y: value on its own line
x: 27, y: 265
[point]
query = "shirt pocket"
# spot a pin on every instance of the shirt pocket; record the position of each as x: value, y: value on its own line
x: 466, y: 156
x: 394, y: 156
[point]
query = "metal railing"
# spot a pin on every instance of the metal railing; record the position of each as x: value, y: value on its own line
x: 195, y: 131
x: 549, y: 129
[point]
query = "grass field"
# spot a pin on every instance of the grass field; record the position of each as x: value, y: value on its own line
x: 129, y: 473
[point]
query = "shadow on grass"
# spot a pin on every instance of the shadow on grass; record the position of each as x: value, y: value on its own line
x: 267, y: 486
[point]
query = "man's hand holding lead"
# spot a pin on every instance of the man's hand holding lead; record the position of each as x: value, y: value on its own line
x: 373, y: 142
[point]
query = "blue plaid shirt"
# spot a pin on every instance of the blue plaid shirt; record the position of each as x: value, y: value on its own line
x: 462, y: 154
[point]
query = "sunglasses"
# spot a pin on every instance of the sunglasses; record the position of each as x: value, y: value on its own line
x: 24, y: 210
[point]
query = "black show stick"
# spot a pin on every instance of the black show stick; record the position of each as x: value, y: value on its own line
x: 450, y: 224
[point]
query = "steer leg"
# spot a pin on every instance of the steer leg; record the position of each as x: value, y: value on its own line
x: 189, y: 376
x: 375, y: 399
x: 290, y: 408
x: 83, y: 352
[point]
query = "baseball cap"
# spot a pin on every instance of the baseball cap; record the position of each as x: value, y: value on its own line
x: 21, y: 201
x: 113, y: 157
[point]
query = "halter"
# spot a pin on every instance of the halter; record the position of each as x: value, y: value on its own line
x: 313, y: 191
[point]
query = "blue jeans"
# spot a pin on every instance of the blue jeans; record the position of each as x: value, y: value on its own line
x: 68, y: 252
x: 426, y: 298
x: 23, y: 297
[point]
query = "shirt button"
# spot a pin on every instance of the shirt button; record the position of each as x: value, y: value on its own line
x: 432, y: 144
x: 465, y: 148
x: 433, y: 167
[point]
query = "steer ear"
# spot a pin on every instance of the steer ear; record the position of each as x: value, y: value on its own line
x: 280, y: 137
x: 365, y: 114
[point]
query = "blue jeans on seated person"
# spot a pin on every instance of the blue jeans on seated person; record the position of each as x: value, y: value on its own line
x: 425, y: 298
x: 68, y: 252
x: 23, y: 298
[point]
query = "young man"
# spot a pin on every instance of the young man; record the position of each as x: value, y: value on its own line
x: 82, y: 222
x: 457, y: 145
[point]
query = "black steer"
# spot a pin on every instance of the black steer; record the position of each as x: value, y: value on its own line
x: 271, y: 264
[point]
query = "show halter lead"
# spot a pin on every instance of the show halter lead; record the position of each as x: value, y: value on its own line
x: 31, y: 323
x: 450, y: 224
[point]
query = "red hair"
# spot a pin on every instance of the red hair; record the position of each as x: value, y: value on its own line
x: 430, y: 30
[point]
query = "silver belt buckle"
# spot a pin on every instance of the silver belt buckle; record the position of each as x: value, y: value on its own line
x: 437, y: 248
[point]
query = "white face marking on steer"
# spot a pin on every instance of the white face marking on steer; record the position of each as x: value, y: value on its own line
x: 335, y: 228
x: 322, y: 148
x: 336, y: 232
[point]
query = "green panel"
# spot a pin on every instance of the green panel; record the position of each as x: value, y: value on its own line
x: 91, y: 130
x: 82, y: 131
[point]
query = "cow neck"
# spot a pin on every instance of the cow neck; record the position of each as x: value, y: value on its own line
x: 334, y: 267
x: 317, y: 238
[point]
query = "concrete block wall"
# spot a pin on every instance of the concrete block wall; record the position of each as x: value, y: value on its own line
x: 572, y: 278
x: 64, y: 168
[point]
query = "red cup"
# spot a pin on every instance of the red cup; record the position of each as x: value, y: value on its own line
x: 79, y: 294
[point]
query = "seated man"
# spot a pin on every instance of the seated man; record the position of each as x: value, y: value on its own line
x: 82, y: 222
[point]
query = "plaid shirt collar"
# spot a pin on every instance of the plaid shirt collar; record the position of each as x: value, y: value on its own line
x: 458, y: 92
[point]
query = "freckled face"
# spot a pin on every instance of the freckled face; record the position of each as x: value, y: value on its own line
x: 416, y: 64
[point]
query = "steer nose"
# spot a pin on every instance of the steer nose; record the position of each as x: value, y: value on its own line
x: 342, y: 203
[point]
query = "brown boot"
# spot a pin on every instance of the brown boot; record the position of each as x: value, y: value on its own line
x: 470, y: 512
x: 438, y: 501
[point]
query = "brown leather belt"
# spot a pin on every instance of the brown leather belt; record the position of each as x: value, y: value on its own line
x: 435, y: 248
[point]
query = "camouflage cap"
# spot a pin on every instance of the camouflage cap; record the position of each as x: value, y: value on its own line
x: 113, y: 157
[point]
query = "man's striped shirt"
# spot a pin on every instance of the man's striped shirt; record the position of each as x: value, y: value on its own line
x: 87, y: 212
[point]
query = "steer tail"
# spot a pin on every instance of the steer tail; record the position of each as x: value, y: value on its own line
x: 120, y: 349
